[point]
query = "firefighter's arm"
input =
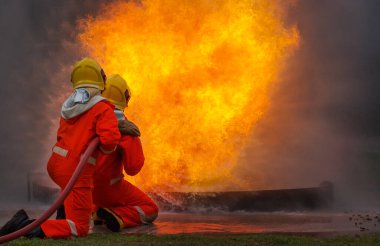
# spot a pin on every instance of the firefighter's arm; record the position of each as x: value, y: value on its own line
x: 132, y: 154
x: 108, y: 131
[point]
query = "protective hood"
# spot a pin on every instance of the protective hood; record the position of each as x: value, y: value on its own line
x: 79, y: 102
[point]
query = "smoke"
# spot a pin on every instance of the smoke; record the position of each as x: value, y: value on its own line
x: 323, y: 123
x: 37, y: 48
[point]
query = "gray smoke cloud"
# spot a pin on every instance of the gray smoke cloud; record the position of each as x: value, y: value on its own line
x: 323, y: 123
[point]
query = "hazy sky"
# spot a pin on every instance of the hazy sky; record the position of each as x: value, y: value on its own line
x: 325, y: 111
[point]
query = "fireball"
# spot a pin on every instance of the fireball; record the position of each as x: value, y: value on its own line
x: 201, y: 72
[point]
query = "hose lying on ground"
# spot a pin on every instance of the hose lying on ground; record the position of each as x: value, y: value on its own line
x: 83, y: 161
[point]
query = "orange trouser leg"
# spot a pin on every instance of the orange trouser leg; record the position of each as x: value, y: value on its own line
x: 132, y: 205
x: 77, y: 204
x: 78, y: 212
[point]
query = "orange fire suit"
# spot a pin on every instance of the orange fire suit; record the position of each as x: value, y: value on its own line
x: 73, y: 136
x: 112, y: 191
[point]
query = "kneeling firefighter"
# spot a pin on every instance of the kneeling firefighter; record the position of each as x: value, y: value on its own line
x: 84, y: 116
x: 118, y: 203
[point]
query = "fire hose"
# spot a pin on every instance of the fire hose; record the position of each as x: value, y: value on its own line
x: 82, y: 162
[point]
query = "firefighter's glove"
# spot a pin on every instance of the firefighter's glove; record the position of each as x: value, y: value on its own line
x: 127, y: 127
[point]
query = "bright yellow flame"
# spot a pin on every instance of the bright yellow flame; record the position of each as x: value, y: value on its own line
x: 200, y: 73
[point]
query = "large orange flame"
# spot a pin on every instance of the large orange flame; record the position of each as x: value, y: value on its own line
x: 200, y: 72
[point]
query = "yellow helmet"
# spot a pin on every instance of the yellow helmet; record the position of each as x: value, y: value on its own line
x: 117, y: 91
x: 88, y: 73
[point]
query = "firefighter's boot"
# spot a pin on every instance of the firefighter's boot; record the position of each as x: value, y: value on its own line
x: 36, y: 232
x: 111, y: 219
x: 14, y: 223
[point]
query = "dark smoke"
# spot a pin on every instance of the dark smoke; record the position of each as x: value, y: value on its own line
x: 323, y: 124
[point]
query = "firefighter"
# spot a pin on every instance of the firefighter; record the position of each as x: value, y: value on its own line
x: 84, y: 116
x: 118, y: 203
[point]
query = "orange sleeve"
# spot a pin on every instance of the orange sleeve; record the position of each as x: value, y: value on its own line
x: 108, y: 131
x: 132, y: 154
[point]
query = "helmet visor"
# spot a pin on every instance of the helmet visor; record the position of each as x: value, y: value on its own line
x: 127, y: 96
x: 103, y: 75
